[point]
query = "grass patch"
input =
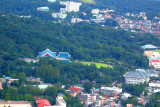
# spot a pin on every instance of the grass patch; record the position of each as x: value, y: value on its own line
x: 88, y: 1
x: 98, y: 65
x: 157, y: 51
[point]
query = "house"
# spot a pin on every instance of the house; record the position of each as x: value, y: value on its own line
x: 45, y: 9
x: 74, y: 89
x: 129, y: 105
x: 10, y: 80
x: 84, y: 81
x: 125, y: 96
x: 148, y: 53
x: 155, y: 64
x: 60, y: 101
x: 4, y: 103
x: 59, y: 15
x: 72, y: 93
x: 42, y: 103
x: 71, y: 6
x: 47, y: 53
x: 51, y: 1
x: 111, y: 89
x: 33, y: 79
x: 153, y: 73
x: 42, y: 86
x: 136, y: 77
x: 29, y: 60
x: 149, y: 46
x: 154, y: 86
x: 95, y: 11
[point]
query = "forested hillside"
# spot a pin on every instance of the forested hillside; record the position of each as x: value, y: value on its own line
x: 29, y: 7
x: 26, y: 37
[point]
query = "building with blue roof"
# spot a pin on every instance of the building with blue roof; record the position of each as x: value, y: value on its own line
x: 63, y: 56
x: 47, y: 53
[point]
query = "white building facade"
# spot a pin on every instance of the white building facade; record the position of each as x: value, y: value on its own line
x: 136, y: 77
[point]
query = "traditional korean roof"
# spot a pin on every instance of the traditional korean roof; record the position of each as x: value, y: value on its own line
x: 137, y: 74
x: 64, y: 55
x: 47, y: 53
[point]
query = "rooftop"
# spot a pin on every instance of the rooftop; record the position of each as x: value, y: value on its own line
x: 137, y: 74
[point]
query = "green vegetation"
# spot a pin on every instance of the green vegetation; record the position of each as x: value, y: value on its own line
x: 157, y: 51
x: 154, y: 101
x: 98, y: 65
x: 88, y: 1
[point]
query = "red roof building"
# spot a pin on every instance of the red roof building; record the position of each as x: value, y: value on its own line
x: 42, y: 103
x: 74, y: 89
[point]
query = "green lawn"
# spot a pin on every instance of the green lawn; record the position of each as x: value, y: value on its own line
x: 88, y: 1
x: 157, y: 51
x: 98, y: 65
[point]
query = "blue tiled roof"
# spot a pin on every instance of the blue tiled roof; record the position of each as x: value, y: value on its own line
x: 47, y: 51
x: 63, y: 55
x: 65, y: 60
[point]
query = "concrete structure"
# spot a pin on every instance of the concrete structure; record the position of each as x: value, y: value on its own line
x: 46, y: 9
x: 115, y: 89
x: 125, y: 96
x: 153, y: 73
x: 155, y: 64
x: 148, y: 53
x: 51, y: 1
x: 30, y: 60
x: 149, y: 46
x: 4, y: 103
x: 59, y: 15
x: 136, y: 77
x: 71, y: 6
x: 95, y: 11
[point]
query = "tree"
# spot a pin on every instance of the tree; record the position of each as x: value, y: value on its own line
x: 87, y: 86
x: 145, y: 93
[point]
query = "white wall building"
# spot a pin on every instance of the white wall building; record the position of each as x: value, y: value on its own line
x: 116, y: 89
x: 59, y: 102
x: 15, y: 103
x: 43, y: 8
x: 71, y: 6
x: 51, y: 1
x: 95, y: 11
x: 155, y: 64
x: 59, y: 15
x: 136, y: 77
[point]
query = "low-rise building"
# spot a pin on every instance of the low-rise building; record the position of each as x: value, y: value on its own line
x: 45, y: 9
x: 4, y: 103
x: 59, y: 15
x: 136, y: 77
x: 155, y: 64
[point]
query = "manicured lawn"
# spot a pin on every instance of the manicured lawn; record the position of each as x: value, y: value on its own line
x: 157, y: 51
x: 88, y: 1
x: 98, y: 65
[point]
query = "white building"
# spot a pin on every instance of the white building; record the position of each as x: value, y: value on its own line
x: 154, y: 86
x: 77, y: 20
x: 51, y: 1
x: 59, y: 102
x: 43, y: 8
x: 153, y: 73
x: 15, y: 103
x: 95, y: 11
x: 155, y: 64
x: 136, y: 77
x: 115, y: 89
x: 71, y: 6
x: 59, y: 15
